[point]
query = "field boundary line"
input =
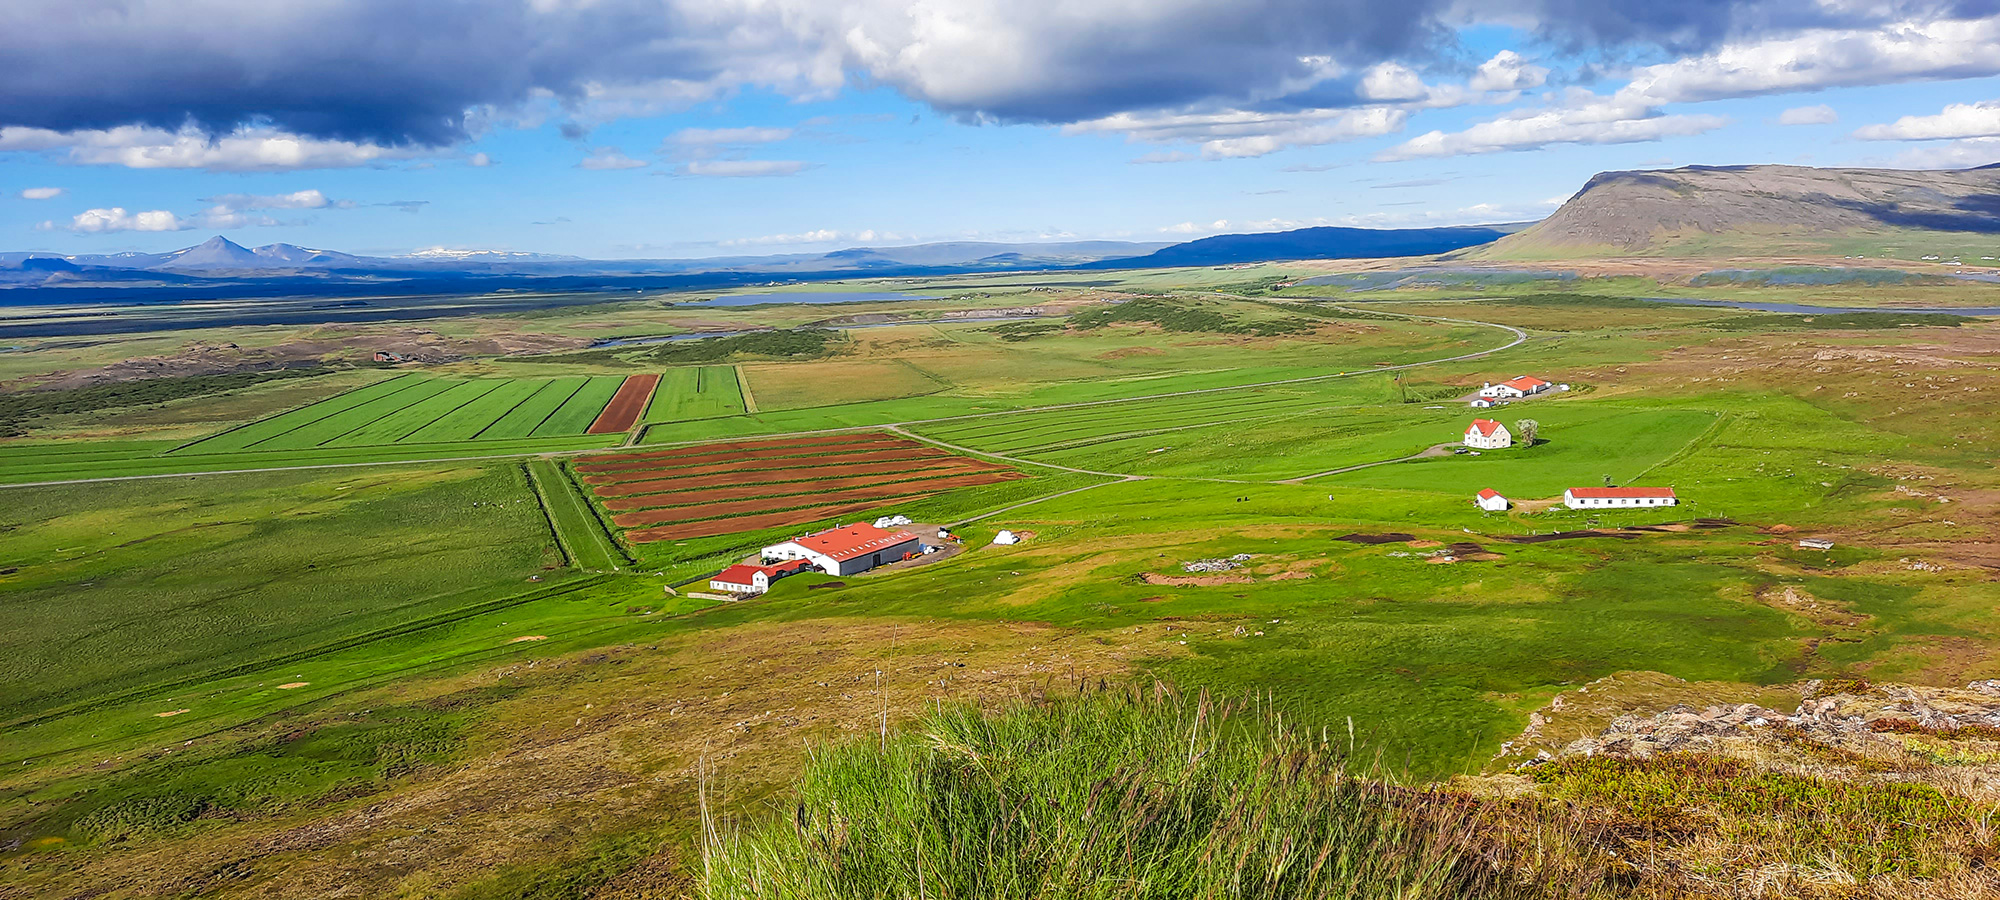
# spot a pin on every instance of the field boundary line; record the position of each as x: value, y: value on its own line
x: 540, y: 471
x: 322, y: 444
x: 742, y: 390
x: 1006, y: 509
x: 558, y: 407
x: 352, y: 465
x: 1687, y: 449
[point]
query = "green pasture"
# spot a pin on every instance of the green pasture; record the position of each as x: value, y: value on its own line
x: 116, y: 587
x: 695, y: 392
x: 421, y: 409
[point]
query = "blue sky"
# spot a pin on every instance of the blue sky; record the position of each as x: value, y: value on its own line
x: 655, y: 128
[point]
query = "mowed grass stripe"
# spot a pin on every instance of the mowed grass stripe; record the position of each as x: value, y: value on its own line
x: 393, y: 428
x: 324, y: 431
x: 263, y: 429
x: 838, y: 486
x: 779, y: 476
x: 581, y: 409
x: 466, y: 422
x: 1032, y: 430
x: 522, y: 420
x: 754, y: 465
x: 576, y: 527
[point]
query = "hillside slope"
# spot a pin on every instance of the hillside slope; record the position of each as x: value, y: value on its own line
x: 1704, y: 211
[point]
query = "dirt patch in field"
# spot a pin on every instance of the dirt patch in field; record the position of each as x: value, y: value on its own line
x: 1291, y: 576
x: 293, y: 685
x: 618, y: 416
x: 529, y: 637
x: 779, y: 476
x: 1394, y: 537
x: 171, y: 713
x: 1159, y: 580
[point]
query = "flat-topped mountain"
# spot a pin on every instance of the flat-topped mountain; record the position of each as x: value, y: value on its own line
x: 1767, y: 210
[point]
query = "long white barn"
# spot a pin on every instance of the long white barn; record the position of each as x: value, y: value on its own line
x: 848, y: 549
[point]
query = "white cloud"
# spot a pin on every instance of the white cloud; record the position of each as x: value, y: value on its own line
x: 1584, y: 119
x: 605, y: 159
x: 1236, y: 134
x: 742, y: 168
x: 725, y: 136
x: 1809, y: 115
x: 103, y: 221
x: 1826, y: 58
x: 245, y: 150
x: 41, y: 193
x: 1508, y: 71
x: 307, y: 199
x: 817, y: 236
x: 1968, y: 153
x: 479, y: 161
x: 1959, y: 120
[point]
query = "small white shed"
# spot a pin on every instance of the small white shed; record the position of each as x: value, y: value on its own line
x: 1490, y: 500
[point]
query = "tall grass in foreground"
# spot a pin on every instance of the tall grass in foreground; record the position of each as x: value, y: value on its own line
x: 1108, y: 795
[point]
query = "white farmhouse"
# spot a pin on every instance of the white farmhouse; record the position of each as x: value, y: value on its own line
x: 848, y: 549
x: 1518, y: 386
x: 748, y: 579
x: 1490, y: 500
x: 1486, y: 434
x: 1619, y: 497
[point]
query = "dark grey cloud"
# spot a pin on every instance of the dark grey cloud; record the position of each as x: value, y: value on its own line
x: 399, y: 74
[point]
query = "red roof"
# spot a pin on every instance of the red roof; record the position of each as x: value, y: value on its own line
x: 1483, y: 426
x: 849, y: 541
x: 1488, y: 494
x: 738, y: 574
x: 1526, y: 383
x: 1617, y: 493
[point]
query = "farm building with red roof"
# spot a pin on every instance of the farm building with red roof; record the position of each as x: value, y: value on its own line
x: 744, y: 578
x: 1490, y: 500
x: 1518, y: 386
x: 1619, y: 497
x: 848, y: 549
x: 1487, y: 434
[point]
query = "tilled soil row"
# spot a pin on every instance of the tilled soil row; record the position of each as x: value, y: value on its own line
x: 753, y: 448
x: 748, y: 456
x: 765, y: 465
x: 773, y: 504
x: 713, y: 527
x: 797, y: 473
x: 625, y: 406
x: 788, y: 489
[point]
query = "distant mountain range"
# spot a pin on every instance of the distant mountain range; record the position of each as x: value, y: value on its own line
x: 1768, y: 211
x: 219, y: 267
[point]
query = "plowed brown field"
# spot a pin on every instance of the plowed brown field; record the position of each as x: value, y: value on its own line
x: 754, y: 465
x: 913, y: 469
x: 915, y: 481
x: 626, y: 405
x: 713, y: 527
x: 729, y: 487
x: 753, y: 449
x: 694, y: 511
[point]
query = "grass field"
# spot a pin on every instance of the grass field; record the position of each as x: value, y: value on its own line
x: 544, y: 738
x: 187, y: 578
x: 420, y: 409
x: 695, y: 392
